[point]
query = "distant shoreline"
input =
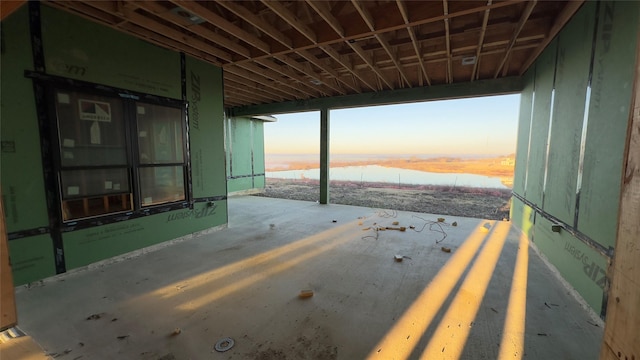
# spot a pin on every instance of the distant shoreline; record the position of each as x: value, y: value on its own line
x: 501, y: 167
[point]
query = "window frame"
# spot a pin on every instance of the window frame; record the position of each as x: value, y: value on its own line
x: 129, y: 101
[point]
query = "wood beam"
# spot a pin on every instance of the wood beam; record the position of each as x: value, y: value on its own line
x: 322, y: 8
x: 133, y: 17
x: 291, y: 19
x: 248, y: 75
x: 506, y: 85
x: 405, y: 15
x: 286, y: 71
x: 218, y: 21
x: 118, y: 24
x: 276, y: 77
x: 561, y: 20
x: 523, y: 20
x: 257, y: 21
x: 159, y: 10
x: 342, y: 60
x: 7, y: 7
x: 253, y: 86
x: 294, y: 64
x: 483, y: 30
x: 369, y: 61
x: 390, y: 28
x: 445, y: 5
x: 622, y: 326
x: 315, y: 61
x: 370, y: 21
x: 249, y: 90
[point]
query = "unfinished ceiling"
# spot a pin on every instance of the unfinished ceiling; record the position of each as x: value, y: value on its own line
x: 275, y: 51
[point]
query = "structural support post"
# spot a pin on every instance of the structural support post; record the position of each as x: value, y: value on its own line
x: 324, y: 156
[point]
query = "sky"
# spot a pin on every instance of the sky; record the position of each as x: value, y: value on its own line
x: 475, y: 126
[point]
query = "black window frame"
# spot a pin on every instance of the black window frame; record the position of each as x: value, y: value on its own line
x: 129, y: 101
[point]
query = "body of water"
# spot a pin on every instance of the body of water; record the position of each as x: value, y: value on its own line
x: 376, y: 173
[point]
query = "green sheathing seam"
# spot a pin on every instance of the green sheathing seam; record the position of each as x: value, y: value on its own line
x: 574, y: 53
x: 540, y: 124
x: 84, y: 247
x: 608, y: 118
x: 31, y: 259
x: 258, y: 155
x: 79, y: 49
x: 524, y: 123
x: 206, y: 129
x: 579, y: 264
x: 21, y: 161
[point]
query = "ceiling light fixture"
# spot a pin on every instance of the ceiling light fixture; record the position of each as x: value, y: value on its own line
x: 469, y: 60
x: 194, y: 19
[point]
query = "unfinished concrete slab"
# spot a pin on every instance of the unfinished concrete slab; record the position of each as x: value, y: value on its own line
x: 490, y: 297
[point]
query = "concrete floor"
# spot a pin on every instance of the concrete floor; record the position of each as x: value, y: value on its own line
x: 490, y: 297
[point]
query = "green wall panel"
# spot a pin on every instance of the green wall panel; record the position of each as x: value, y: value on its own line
x: 79, y: 49
x: 241, y: 143
x: 608, y: 118
x: 572, y: 73
x: 22, y: 186
x: 240, y: 184
x: 86, y: 246
x: 245, y: 153
x: 31, y: 259
x: 545, y: 66
x: 206, y: 126
x: 580, y: 265
x: 522, y: 216
x: 524, y: 124
x: 259, y: 182
x: 258, y: 147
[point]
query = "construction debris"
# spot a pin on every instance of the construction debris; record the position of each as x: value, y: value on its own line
x: 224, y: 344
x: 446, y: 249
x: 304, y: 294
x: 94, y: 316
x: 395, y: 223
x: 401, y: 228
x: 176, y: 331
x: 398, y: 258
x: 440, y: 219
x: 455, y: 223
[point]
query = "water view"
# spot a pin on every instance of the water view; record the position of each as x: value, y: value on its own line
x: 377, y: 173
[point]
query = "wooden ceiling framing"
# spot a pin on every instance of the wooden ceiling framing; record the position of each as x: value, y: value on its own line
x: 275, y: 51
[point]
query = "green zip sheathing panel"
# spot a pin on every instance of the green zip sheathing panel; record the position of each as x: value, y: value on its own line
x: 206, y: 128
x: 572, y: 74
x: 612, y: 83
x: 523, y: 217
x: 540, y: 123
x: 21, y: 161
x: 31, y: 259
x: 86, y: 246
x: 524, y: 125
x: 79, y: 49
x: 579, y: 264
x: 241, y: 138
x: 245, y: 154
x: 580, y: 258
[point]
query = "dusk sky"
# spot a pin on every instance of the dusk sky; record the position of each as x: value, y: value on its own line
x: 482, y: 126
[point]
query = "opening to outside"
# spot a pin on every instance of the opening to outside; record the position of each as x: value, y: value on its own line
x: 452, y: 157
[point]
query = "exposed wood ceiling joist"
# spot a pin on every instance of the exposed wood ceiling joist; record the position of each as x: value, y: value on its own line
x: 281, y: 50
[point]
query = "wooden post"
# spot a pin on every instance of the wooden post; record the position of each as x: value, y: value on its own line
x: 622, y: 326
x: 7, y: 295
